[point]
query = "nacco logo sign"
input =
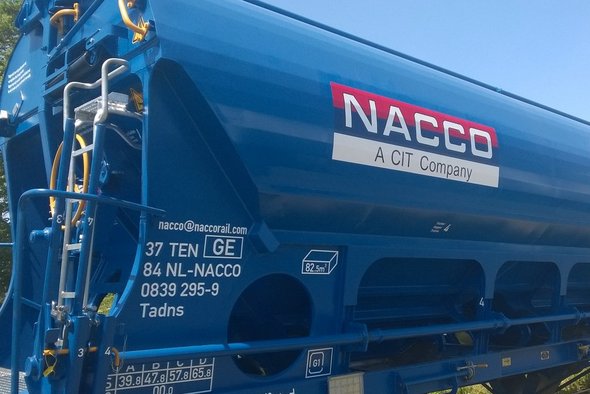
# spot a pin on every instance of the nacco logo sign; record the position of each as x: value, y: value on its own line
x: 382, y: 132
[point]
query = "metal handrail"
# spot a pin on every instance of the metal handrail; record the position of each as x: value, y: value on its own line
x: 360, y: 337
x: 16, y: 282
x: 105, y: 76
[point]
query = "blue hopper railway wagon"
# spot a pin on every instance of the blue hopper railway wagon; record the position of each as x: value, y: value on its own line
x: 223, y: 197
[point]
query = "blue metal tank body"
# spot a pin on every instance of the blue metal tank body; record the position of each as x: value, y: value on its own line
x: 267, y: 80
x: 275, y: 206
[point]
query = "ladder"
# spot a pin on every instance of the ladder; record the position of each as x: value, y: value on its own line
x: 78, y: 230
x: 65, y: 324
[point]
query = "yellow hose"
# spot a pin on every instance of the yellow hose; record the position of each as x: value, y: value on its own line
x: 85, y: 177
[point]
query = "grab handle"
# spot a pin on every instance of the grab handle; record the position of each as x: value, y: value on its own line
x: 57, y: 18
x: 141, y: 29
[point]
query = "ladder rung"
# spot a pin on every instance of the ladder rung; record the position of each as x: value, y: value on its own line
x: 76, y: 246
x: 68, y: 294
x: 72, y: 201
x: 79, y: 152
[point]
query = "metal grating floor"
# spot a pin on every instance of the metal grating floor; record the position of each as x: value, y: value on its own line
x: 5, y: 381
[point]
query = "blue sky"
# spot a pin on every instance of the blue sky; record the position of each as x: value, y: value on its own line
x: 536, y: 49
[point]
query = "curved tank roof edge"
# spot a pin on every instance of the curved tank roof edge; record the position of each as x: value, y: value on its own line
x: 372, y: 44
